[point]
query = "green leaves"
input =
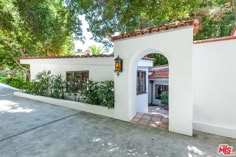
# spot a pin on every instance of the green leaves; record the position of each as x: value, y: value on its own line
x: 96, y: 50
x: 43, y: 83
x: 217, y: 19
x: 105, y: 18
x: 47, y: 84
x: 57, y: 86
x: 98, y: 93
x: 92, y: 92
x: 159, y: 59
x: 39, y: 28
x: 164, y: 98
x: 35, y: 28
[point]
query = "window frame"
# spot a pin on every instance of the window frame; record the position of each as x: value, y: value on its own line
x: 141, y: 86
x: 159, y: 90
x: 77, y: 89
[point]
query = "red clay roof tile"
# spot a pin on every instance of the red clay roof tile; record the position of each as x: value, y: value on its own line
x: 233, y: 31
x: 154, y: 29
x: 159, y: 73
x: 72, y: 56
x: 77, y: 56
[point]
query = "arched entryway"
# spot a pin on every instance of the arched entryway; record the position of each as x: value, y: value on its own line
x: 152, y: 107
x: 176, y: 46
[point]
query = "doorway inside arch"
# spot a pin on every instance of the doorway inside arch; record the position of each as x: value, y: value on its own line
x: 152, y: 91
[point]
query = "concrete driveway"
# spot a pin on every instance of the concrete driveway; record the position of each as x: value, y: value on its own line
x: 34, y: 129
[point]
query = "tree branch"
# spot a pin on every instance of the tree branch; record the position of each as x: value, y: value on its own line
x: 17, y: 62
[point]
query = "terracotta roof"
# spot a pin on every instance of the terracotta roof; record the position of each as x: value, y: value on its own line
x: 163, y: 72
x: 159, y: 66
x: 147, y: 58
x: 72, y: 56
x: 233, y: 31
x: 161, y: 28
x: 214, y: 39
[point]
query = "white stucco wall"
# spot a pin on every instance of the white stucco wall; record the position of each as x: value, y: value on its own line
x: 145, y: 63
x: 149, y: 92
x: 176, y: 45
x: 96, y: 72
x: 142, y: 103
x: 100, y: 69
x: 212, y: 88
x: 142, y: 99
x: 214, y: 76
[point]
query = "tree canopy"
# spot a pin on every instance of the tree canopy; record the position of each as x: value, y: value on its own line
x: 108, y: 17
x: 105, y: 18
x: 217, y: 17
x: 35, y: 28
x: 48, y: 27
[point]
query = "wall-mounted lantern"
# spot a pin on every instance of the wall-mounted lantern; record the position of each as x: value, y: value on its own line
x: 118, y: 65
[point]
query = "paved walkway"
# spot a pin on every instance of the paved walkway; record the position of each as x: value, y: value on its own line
x: 157, y: 117
x: 33, y: 129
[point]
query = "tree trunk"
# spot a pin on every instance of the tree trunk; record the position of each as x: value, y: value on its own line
x: 27, y: 75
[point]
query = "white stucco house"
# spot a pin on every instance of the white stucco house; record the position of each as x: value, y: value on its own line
x: 201, y: 81
x: 158, y: 82
x: 87, y: 67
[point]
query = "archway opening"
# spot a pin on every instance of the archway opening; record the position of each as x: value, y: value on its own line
x: 152, y: 91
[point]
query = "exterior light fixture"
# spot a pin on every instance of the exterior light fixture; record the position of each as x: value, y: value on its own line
x: 118, y: 65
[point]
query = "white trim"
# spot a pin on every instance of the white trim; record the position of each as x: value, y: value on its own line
x: 99, y: 110
x: 214, y: 129
x: 160, y: 67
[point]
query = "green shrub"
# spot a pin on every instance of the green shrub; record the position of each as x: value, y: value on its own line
x: 46, y: 84
x: 28, y: 87
x: 91, y: 92
x: 106, y: 93
x: 41, y: 85
x: 98, y: 93
x: 71, y: 87
x: 3, y: 77
x: 15, y: 82
x: 18, y: 81
x: 4, y: 80
x: 58, y: 86
x: 164, y: 98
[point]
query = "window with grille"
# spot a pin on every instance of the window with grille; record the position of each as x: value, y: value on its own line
x: 141, y: 82
x: 75, y: 80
